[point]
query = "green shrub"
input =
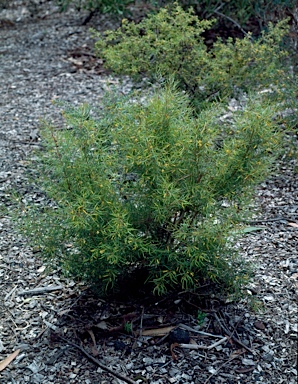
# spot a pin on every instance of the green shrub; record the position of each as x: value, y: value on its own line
x: 242, y: 12
x: 104, y: 6
x: 170, y: 43
x: 150, y: 186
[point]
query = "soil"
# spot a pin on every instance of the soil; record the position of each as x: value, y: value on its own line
x: 62, y: 332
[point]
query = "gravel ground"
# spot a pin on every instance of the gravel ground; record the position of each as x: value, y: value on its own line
x: 42, y: 59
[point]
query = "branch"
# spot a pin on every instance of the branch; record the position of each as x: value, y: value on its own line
x: 97, y: 362
x: 40, y: 290
x: 196, y: 346
x: 232, y: 336
x: 220, y: 367
x: 190, y: 329
x: 233, y: 21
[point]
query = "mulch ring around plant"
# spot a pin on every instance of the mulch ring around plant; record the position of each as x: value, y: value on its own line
x: 175, y: 337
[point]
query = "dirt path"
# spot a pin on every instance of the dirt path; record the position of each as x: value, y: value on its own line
x: 35, y: 68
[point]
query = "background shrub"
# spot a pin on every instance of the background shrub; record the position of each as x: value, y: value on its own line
x: 170, y: 43
x: 150, y: 186
x: 241, y: 11
x: 231, y: 12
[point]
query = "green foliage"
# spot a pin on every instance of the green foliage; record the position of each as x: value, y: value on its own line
x: 104, y: 6
x: 170, y: 43
x: 201, y: 316
x: 128, y: 327
x: 256, y: 305
x: 148, y: 185
x: 241, y: 11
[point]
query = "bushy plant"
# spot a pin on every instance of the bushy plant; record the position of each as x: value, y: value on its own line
x: 170, y: 43
x: 244, y: 10
x: 150, y: 186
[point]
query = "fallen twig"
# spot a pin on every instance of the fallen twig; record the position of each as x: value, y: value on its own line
x: 196, y: 346
x: 10, y: 293
x: 230, y: 334
x: 141, y: 322
x: 40, y: 290
x: 160, y: 341
x: 97, y: 362
x: 190, y: 329
x: 221, y: 366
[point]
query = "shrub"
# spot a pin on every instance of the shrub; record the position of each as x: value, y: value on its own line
x: 150, y: 186
x: 244, y: 11
x: 170, y: 43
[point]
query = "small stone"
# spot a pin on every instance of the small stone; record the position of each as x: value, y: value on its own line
x: 179, y: 335
x: 259, y: 325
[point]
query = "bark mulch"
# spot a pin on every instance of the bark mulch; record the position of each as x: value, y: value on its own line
x: 59, y: 330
